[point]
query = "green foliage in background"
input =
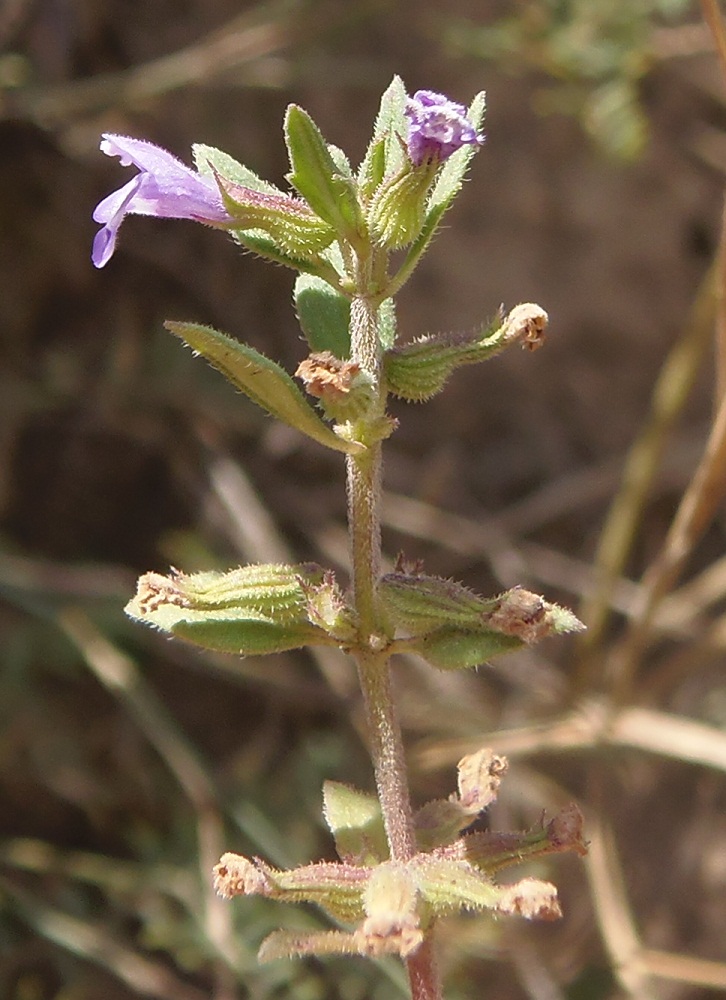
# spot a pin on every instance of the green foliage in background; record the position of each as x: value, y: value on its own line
x: 595, y: 55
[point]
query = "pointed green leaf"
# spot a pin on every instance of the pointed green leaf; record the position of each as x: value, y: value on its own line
x: 354, y: 818
x: 341, y: 161
x: 324, y: 316
x: 317, y: 177
x: 373, y: 169
x: 391, y: 117
x: 385, y: 155
x: 265, y: 382
x: 452, y: 174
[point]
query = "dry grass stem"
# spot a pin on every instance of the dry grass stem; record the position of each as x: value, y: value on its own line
x: 624, y: 518
x: 612, y: 910
x: 593, y: 727
x: 693, y: 516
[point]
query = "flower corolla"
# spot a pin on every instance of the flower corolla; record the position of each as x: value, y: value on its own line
x: 164, y: 187
x: 437, y: 127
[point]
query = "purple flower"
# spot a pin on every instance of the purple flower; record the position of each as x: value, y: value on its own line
x: 164, y: 187
x: 437, y: 127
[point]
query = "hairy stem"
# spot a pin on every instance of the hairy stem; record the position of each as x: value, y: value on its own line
x: 386, y: 747
x: 364, y: 473
x: 364, y: 490
x: 423, y: 975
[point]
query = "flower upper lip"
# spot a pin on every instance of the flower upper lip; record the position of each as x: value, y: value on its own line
x: 164, y: 187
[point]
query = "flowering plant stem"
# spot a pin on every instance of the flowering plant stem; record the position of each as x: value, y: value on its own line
x: 397, y: 877
x: 364, y: 475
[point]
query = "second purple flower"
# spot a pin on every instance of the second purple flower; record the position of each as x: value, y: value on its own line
x: 437, y: 127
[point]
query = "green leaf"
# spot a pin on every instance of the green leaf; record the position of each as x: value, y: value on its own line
x: 324, y: 316
x: 243, y: 637
x: 354, y: 818
x: 385, y: 155
x: 457, y: 649
x: 373, y: 169
x: 207, y: 160
x: 452, y: 174
x: 513, y: 619
x: 315, y: 174
x: 341, y: 161
x: 265, y: 382
x: 391, y: 117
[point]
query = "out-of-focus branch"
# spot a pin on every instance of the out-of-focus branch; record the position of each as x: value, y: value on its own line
x: 246, y: 44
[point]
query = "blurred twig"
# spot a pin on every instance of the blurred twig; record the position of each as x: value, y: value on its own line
x: 714, y: 19
x: 612, y: 909
x: 669, y: 396
x: 685, y: 968
x: 116, y: 876
x: 593, y: 726
x: 64, y: 580
x: 633, y: 964
x: 694, y: 515
x: 246, y: 39
x: 250, y: 526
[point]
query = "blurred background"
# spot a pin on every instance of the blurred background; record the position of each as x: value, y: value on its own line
x: 128, y: 763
